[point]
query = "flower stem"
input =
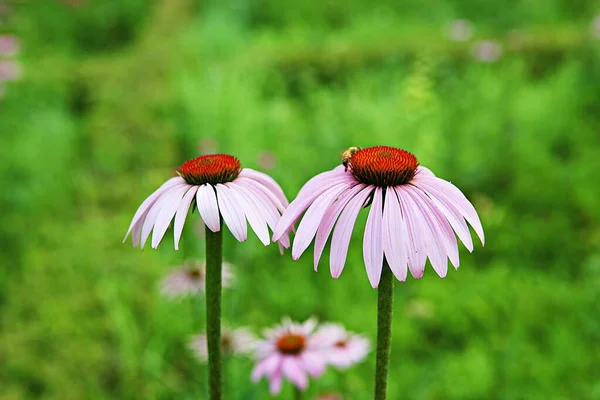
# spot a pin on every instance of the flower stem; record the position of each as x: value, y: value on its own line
x: 297, y: 394
x: 385, y: 300
x: 214, y: 259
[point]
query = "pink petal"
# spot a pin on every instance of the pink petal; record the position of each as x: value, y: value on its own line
x: 166, y: 214
x: 416, y: 244
x: 314, y: 363
x: 206, y: 201
x: 295, y: 374
x: 297, y: 207
x: 424, y: 172
x: 443, y: 228
x: 149, y: 202
x: 257, y: 223
x: 330, y: 217
x: 433, y: 236
x: 267, y: 182
x: 150, y: 219
x: 275, y: 383
x: 454, y: 217
x: 312, y: 218
x: 343, y: 232
x: 267, y: 366
x: 252, y: 183
x: 442, y: 188
x: 373, y: 240
x: 337, y: 175
x: 232, y: 213
x: 394, y: 236
x: 181, y: 215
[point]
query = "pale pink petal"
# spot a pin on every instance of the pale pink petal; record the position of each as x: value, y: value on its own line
x: 166, y: 214
x: 312, y: 219
x: 266, y: 181
x: 296, y: 208
x: 454, y: 217
x: 458, y: 199
x: 330, y: 217
x: 263, y: 202
x: 294, y: 373
x: 150, y: 218
x: 181, y: 215
x: 394, y: 236
x: 320, y: 178
x: 206, y: 201
x: 424, y: 172
x: 314, y: 363
x: 272, y: 198
x: 444, y: 230
x: 257, y: 223
x: 343, y: 232
x: 275, y: 383
x: 373, y: 240
x: 232, y: 213
x: 149, y: 202
x: 265, y: 367
x: 432, y: 235
x: 416, y: 244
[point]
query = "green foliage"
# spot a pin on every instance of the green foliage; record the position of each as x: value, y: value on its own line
x: 116, y: 94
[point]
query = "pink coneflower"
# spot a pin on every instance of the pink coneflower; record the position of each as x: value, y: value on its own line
x: 487, y: 51
x: 234, y: 342
x: 341, y: 348
x: 10, y: 71
x: 413, y: 215
x: 190, y: 279
x: 460, y: 30
x: 289, y: 350
x: 9, y: 45
x: 219, y: 187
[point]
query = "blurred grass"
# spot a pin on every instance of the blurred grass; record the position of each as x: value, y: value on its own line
x: 116, y: 95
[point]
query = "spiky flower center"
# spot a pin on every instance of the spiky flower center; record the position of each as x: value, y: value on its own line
x: 291, y: 343
x: 213, y: 169
x: 383, y: 166
x: 194, y: 273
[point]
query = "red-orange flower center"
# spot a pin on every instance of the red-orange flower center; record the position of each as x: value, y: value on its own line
x: 213, y: 169
x: 383, y: 166
x: 341, y: 344
x: 291, y: 343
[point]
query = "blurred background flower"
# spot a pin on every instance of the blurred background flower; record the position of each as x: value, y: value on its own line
x: 460, y: 30
x: 189, y: 280
x: 342, y: 349
x: 234, y: 342
x: 487, y: 51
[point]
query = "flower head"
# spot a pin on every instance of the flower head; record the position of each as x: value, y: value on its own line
x: 487, y: 51
x: 414, y: 215
x: 189, y: 280
x: 239, y: 341
x: 289, y: 350
x: 460, y: 30
x: 219, y: 187
x: 341, y: 348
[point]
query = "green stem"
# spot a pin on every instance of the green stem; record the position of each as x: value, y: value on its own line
x: 385, y: 300
x: 297, y: 394
x: 214, y: 258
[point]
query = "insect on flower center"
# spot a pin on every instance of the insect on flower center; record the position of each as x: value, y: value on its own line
x: 383, y: 166
x: 213, y: 169
x: 291, y: 343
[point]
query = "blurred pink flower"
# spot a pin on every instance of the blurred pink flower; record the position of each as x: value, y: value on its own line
x: 266, y: 160
x: 189, y: 280
x: 9, y: 45
x: 596, y: 27
x: 486, y: 51
x: 460, y: 30
x: 289, y: 350
x: 10, y: 70
x: 341, y: 348
x: 414, y: 215
x: 220, y: 188
x: 234, y: 342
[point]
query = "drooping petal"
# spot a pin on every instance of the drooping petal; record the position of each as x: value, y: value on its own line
x: 443, y: 228
x: 416, y: 244
x: 166, y: 214
x: 150, y: 218
x: 265, y: 367
x: 432, y: 234
x: 329, y: 218
x: 206, y: 201
x: 312, y: 218
x: 453, y: 216
x: 272, y: 198
x: 257, y: 223
x: 266, y: 181
x: 295, y: 374
x: 297, y: 207
x: 424, y: 171
x: 232, y: 213
x: 343, y: 232
x: 146, y: 204
x: 319, y: 178
x: 443, y: 188
x: 373, y: 240
x: 394, y: 236
x: 275, y: 383
x: 181, y: 214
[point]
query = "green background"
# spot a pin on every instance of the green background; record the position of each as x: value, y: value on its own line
x: 116, y: 94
